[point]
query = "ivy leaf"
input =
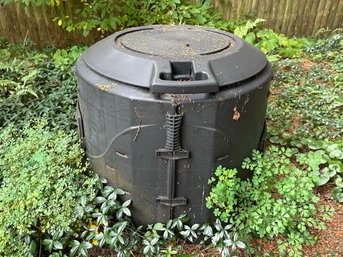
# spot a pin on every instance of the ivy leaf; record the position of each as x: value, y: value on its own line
x: 323, y: 180
x: 107, y: 190
x: 83, y: 201
x: 337, y: 194
x: 85, y: 245
x: 336, y: 154
x: 339, y: 181
x: 100, y: 199
x: 103, y: 180
x: 328, y: 172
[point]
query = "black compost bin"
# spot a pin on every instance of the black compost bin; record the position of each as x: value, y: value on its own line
x: 160, y: 107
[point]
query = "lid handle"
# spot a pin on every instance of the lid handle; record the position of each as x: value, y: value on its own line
x: 181, y: 77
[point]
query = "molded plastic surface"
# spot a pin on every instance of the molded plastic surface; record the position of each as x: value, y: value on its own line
x: 160, y: 107
x: 143, y: 56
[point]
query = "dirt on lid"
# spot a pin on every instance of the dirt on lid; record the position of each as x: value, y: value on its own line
x: 175, y: 41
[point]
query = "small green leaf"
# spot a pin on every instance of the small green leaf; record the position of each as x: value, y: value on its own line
x: 100, y: 199
x: 85, y: 245
x: 323, y: 180
x: 158, y: 226
x: 127, y: 203
x: 58, y: 245
x: 339, y: 181
x: 337, y: 194
x: 336, y: 154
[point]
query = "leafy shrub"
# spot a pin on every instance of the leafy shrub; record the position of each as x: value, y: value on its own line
x: 17, y: 75
x: 53, y: 85
x: 271, y: 43
x: 278, y: 200
x: 64, y: 59
x: 42, y: 177
x: 106, y: 16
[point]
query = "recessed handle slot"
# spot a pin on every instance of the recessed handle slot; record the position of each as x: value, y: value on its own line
x: 182, y: 71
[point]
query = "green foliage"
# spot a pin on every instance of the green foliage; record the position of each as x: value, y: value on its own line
x: 220, y: 197
x: 105, y: 222
x: 49, y: 86
x: 41, y: 178
x: 305, y: 108
x: 243, y: 31
x: 277, y: 201
x: 106, y: 16
x: 50, y: 207
x: 270, y: 42
x: 64, y: 59
x: 35, y: 2
x: 326, y: 160
x: 17, y: 76
x: 305, y: 102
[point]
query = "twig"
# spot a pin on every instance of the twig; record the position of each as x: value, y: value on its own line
x: 139, y: 124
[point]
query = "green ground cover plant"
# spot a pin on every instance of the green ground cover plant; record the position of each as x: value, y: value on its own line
x: 305, y: 107
x: 41, y: 175
x: 38, y: 161
x: 37, y: 84
x: 305, y: 152
x: 52, y: 206
x: 278, y: 200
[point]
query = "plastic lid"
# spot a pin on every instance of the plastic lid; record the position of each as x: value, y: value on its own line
x: 175, y: 59
x: 175, y: 41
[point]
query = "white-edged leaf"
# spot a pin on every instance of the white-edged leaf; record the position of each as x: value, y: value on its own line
x: 127, y: 203
x: 241, y: 245
x: 58, y: 245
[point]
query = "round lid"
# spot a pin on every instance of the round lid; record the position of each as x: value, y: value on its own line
x: 174, y: 41
x: 174, y: 58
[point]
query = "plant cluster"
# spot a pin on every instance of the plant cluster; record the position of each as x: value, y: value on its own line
x: 37, y: 85
x: 51, y: 206
x: 106, y: 222
x: 326, y: 159
x: 41, y: 178
x: 106, y: 16
x: 271, y: 43
x: 17, y: 74
x: 305, y: 102
x: 278, y: 202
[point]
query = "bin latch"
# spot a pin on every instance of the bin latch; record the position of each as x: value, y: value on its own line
x: 172, y: 152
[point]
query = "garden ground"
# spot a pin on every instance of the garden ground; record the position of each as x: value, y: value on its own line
x: 304, y: 116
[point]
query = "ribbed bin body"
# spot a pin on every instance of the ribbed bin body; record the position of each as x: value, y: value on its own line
x: 162, y: 147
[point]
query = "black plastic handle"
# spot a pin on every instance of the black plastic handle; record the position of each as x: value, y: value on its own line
x: 182, y: 77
